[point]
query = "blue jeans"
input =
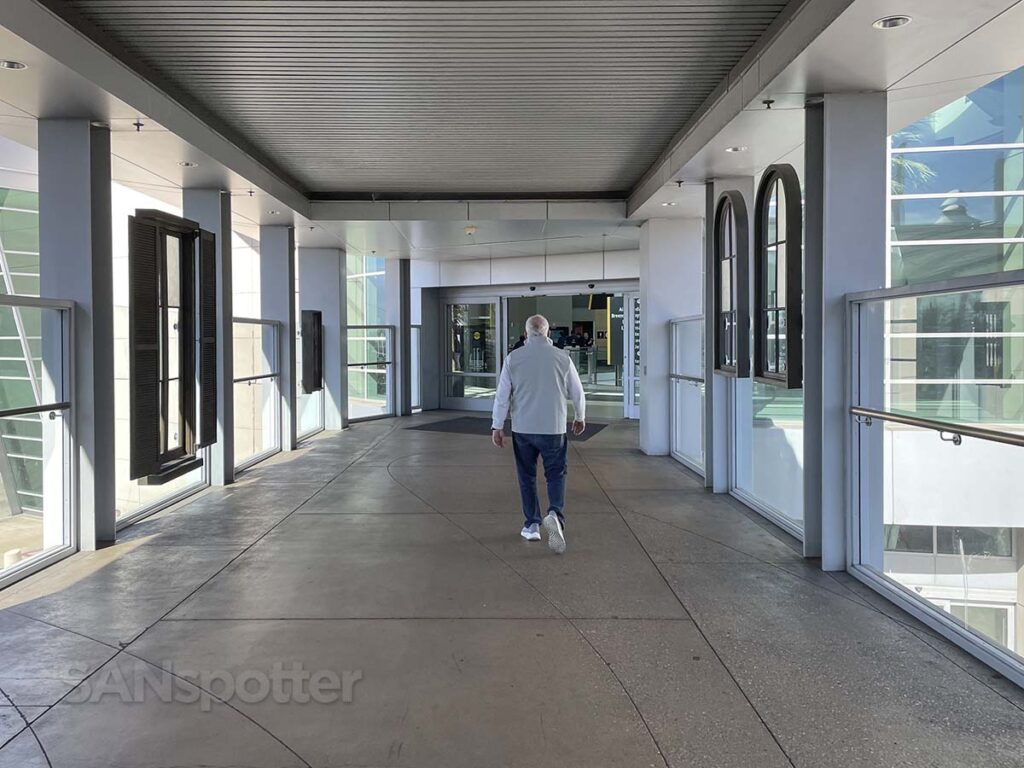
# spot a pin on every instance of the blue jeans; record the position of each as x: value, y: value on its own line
x: 553, y: 451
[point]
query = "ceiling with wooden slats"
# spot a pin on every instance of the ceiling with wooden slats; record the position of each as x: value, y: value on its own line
x: 453, y: 98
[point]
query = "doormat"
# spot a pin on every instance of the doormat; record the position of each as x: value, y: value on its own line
x: 470, y: 425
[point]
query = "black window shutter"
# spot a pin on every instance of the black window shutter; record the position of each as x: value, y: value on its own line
x: 144, y: 345
x: 312, y: 351
x: 207, y: 338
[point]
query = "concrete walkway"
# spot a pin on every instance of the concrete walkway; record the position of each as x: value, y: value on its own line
x: 678, y: 630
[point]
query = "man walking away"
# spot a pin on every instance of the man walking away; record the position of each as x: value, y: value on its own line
x: 537, y: 379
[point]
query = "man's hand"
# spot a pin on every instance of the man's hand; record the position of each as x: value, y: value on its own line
x: 578, y: 427
x: 498, y: 438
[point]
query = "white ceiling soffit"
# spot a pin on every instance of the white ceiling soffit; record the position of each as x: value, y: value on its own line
x: 79, y: 78
x: 420, y: 99
x: 449, y: 240
x: 949, y: 48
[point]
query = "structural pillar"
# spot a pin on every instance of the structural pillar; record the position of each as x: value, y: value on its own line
x: 277, y: 302
x: 403, y: 339
x: 76, y: 264
x: 671, y: 254
x: 211, y: 209
x: 322, y: 287
x: 853, y: 254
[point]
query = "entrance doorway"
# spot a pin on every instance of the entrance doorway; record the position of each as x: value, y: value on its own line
x: 593, y: 329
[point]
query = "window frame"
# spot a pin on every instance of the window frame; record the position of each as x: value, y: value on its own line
x: 152, y: 461
x: 732, y: 201
x: 789, y: 181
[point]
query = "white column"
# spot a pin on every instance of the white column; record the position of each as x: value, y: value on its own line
x: 854, y: 256
x: 211, y: 209
x: 322, y: 287
x: 728, y: 408
x: 277, y: 302
x: 403, y: 341
x: 76, y: 264
x: 671, y: 254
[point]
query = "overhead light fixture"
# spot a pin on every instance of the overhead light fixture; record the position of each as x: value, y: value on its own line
x: 669, y: 203
x: 470, y: 230
x: 11, y: 64
x: 188, y: 164
x: 735, y: 149
x: 891, y: 22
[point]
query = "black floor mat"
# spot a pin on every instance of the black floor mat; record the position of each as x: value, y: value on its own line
x: 471, y: 425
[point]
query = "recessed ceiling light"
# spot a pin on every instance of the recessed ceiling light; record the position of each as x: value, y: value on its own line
x: 11, y: 64
x: 735, y: 149
x: 669, y: 203
x: 891, y: 22
x: 188, y: 164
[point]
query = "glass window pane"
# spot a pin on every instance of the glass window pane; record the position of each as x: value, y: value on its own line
x: 173, y: 415
x: 990, y: 114
x: 725, y: 270
x: 922, y: 263
x: 771, y: 227
x: 780, y: 275
x: 990, y: 621
x: 984, y: 170
x: 473, y: 387
x: 172, y: 255
x: 780, y: 211
x: 471, y: 342
x: 174, y: 341
x: 782, y: 367
x: 770, y: 277
x: 909, y: 538
x: 771, y: 345
x: 957, y: 218
x: 996, y: 542
x: 957, y: 356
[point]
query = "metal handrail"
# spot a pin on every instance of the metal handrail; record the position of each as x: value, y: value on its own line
x: 30, y: 409
x: 257, y: 377
x: 942, y: 427
x: 952, y: 285
x: 255, y: 321
x: 687, y: 377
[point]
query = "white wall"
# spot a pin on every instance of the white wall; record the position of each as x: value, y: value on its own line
x: 671, y: 286
x: 616, y: 265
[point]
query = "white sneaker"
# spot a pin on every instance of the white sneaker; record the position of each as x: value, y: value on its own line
x: 531, y: 532
x: 556, y: 536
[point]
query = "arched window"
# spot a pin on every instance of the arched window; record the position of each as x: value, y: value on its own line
x: 732, y: 323
x: 778, y: 281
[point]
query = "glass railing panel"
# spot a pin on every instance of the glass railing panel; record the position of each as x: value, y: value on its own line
x: 937, y: 427
x: 369, y: 391
x: 35, y: 434
x: 257, y: 419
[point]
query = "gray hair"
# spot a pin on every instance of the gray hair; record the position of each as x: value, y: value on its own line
x: 537, y: 325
